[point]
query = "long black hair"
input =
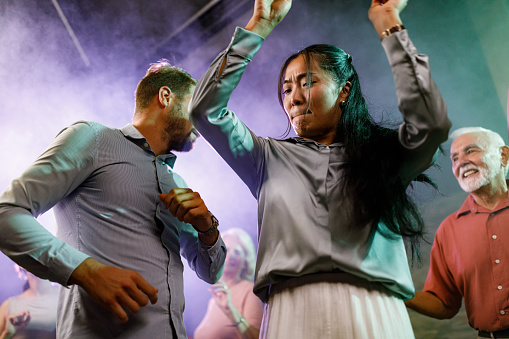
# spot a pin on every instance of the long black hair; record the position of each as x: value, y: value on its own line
x: 373, y: 154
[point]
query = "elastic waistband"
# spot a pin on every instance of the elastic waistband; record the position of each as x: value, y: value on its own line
x: 333, y: 277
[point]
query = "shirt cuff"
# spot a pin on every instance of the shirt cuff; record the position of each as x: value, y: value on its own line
x: 398, y: 47
x: 75, y: 258
x: 215, y: 253
x: 212, y: 248
x: 245, y: 43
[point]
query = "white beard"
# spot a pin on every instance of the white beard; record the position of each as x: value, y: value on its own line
x: 483, y: 177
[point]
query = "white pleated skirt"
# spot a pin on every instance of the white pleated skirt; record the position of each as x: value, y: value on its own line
x: 335, y: 310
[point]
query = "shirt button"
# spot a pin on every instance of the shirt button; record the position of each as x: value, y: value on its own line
x: 492, y: 214
x: 494, y: 236
x: 502, y: 312
x: 212, y: 252
x: 145, y: 144
x: 497, y: 261
x: 499, y: 287
x: 169, y: 274
x: 213, y: 270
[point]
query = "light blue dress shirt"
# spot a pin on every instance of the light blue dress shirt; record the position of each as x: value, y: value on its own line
x: 304, y: 221
x: 104, y: 185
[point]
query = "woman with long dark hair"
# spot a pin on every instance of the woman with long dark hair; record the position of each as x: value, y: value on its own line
x: 333, y: 207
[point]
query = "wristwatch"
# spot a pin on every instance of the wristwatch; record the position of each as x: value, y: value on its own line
x: 212, y: 229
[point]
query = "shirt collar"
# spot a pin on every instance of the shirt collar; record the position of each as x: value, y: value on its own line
x: 469, y: 206
x: 299, y: 140
x: 132, y: 133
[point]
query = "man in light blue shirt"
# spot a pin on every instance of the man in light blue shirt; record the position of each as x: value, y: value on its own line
x: 124, y: 218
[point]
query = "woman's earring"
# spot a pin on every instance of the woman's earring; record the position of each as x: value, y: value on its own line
x: 342, y: 104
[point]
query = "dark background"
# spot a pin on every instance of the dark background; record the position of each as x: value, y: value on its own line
x: 48, y: 80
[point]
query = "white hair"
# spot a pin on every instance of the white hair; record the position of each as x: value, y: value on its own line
x: 493, y: 140
x: 249, y: 250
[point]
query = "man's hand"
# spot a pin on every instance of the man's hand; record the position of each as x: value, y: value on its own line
x: 187, y: 206
x: 267, y: 14
x: 114, y: 288
x: 384, y: 14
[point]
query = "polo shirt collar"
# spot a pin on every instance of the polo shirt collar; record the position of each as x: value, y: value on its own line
x: 469, y: 206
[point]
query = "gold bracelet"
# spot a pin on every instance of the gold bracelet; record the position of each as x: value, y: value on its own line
x: 391, y: 30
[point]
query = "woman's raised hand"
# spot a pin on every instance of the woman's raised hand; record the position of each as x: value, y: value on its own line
x: 222, y: 295
x: 266, y: 15
x: 384, y: 14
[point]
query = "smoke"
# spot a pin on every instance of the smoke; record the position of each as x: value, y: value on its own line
x: 45, y: 84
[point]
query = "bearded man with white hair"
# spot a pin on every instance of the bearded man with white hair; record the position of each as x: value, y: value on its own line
x: 470, y: 256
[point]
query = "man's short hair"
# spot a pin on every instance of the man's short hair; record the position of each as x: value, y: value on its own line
x: 494, y: 139
x: 160, y: 74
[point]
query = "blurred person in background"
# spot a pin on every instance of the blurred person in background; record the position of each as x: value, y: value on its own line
x: 31, y: 314
x: 234, y: 311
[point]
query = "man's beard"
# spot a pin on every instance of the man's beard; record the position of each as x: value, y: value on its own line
x: 178, y: 133
x: 484, y: 174
x: 471, y: 185
x: 187, y: 144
